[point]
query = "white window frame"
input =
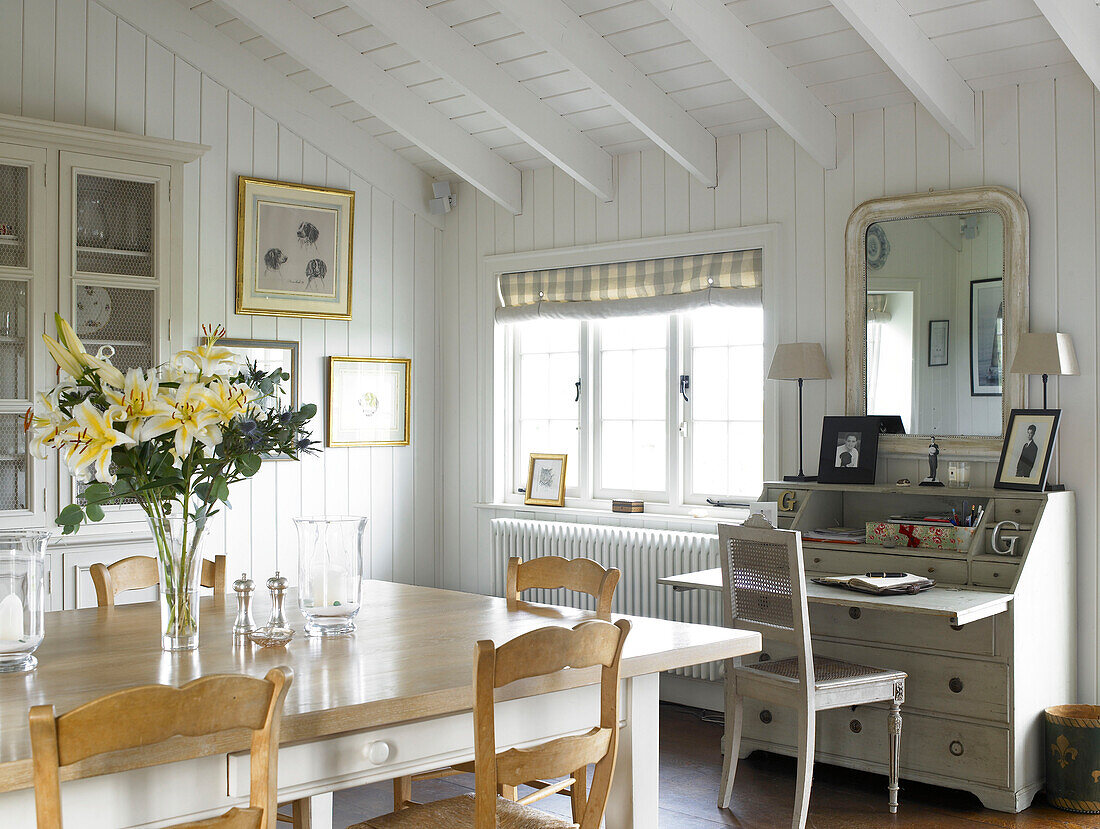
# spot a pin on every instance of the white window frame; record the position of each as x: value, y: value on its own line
x: 497, y: 480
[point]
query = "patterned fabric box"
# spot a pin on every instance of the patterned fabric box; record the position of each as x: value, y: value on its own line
x: 943, y: 537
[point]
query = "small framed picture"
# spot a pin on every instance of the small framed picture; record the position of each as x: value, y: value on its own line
x: 849, y: 450
x: 368, y: 401
x: 1028, y: 447
x: 294, y: 249
x: 546, y: 481
x: 268, y: 355
x: 938, y: 342
x: 987, y: 308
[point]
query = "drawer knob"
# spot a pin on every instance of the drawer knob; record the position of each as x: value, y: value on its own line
x: 765, y: 716
x: 817, y: 561
x: 377, y: 752
x: 855, y: 612
x: 765, y: 657
x: 956, y: 685
x: 855, y: 726
x: 931, y: 569
x: 956, y: 748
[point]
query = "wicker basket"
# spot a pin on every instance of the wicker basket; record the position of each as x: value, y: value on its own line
x: 1073, y: 757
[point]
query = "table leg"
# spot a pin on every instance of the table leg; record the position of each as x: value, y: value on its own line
x: 632, y: 803
x: 313, y: 812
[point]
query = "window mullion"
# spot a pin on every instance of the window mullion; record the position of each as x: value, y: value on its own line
x: 675, y: 412
x: 585, y: 440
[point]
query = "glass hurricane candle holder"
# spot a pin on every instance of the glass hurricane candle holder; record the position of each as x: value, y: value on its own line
x: 22, y: 597
x: 330, y: 572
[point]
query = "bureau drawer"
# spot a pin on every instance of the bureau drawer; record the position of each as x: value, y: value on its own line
x: 1020, y: 510
x: 902, y: 629
x: 938, y: 684
x: 994, y: 573
x: 946, y: 749
x: 846, y: 562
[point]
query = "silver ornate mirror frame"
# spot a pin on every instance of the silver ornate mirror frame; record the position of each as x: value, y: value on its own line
x: 1010, y: 207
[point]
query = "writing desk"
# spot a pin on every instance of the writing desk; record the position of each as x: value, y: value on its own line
x: 960, y: 605
x: 393, y: 699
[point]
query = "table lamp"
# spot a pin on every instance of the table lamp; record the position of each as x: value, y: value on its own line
x: 1045, y: 354
x: 799, y: 361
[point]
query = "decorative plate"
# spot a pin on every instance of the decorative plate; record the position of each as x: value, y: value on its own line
x: 878, y: 247
x: 93, y: 309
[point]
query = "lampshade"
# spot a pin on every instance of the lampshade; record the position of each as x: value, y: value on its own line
x: 799, y: 361
x: 1045, y: 354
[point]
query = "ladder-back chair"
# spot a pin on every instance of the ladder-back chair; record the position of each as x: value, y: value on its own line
x: 137, y: 718
x: 541, y: 652
x: 765, y: 590
x: 139, y: 572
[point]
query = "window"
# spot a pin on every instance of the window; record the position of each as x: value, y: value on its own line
x: 629, y: 432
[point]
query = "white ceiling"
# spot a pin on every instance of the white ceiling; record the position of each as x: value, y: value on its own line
x: 987, y: 42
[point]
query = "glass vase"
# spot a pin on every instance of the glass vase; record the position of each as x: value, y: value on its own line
x: 179, y: 537
x: 22, y: 598
x: 330, y: 572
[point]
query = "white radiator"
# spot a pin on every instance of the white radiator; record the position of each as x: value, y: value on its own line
x: 642, y: 555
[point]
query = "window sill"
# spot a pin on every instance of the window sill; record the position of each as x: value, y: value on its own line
x: 704, y: 520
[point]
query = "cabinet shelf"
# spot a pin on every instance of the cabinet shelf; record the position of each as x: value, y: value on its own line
x: 10, y: 241
x: 144, y: 254
x: 118, y: 343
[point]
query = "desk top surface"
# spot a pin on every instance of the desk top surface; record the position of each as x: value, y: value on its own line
x: 960, y: 604
x: 411, y: 657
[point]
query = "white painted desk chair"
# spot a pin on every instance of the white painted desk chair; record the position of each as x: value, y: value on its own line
x: 765, y: 589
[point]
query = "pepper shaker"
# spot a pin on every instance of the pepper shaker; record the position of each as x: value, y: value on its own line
x: 277, y: 585
x: 244, y: 587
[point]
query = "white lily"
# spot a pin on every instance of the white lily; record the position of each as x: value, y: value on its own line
x: 47, y: 422
x: 136, y: 399
x: 185, y: 412
x: 72, y: 357
x: 229, y: 400
x: 90, y: 440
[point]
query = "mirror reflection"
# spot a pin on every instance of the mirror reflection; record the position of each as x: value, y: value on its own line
x: 935, y: 322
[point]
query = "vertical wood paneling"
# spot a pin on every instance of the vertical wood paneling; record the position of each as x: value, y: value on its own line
x: 72, y: 42
x: 11, y: 56
x: 159, y: 73
x: 99, y: 101
x: 39, y: 28
x: 130, y: 86
x: 425, y: 410
x: 381, y: 345
x: 403, y: 320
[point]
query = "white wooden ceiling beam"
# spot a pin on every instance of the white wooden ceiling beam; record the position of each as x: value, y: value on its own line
x: 559, y: 30
x: 436, y: 44
x: 366, y: 83
x: 898, y: 40
x: 194, y: 40
x: 729, y: 44
x: 1077, y: 23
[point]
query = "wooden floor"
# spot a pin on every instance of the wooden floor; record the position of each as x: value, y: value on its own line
x: 762, y: 799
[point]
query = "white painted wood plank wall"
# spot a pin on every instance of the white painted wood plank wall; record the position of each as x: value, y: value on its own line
x: 72, y: 61
x: 1041, y: 138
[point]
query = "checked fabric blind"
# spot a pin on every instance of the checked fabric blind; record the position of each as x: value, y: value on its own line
x: 647, y: 286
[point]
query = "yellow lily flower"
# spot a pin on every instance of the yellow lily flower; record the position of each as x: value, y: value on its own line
x: 135, y: 400
x: 90, y: 440
x: 71, y: 356
x: 185, y: 412
x: 47, y: 423
x: 229, y: 400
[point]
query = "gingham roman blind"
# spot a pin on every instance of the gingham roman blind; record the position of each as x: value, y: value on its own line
x: 629, y: 288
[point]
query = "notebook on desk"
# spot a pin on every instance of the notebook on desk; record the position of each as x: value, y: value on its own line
x: 879, y: 584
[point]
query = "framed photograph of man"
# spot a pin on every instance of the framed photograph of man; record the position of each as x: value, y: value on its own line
x: 987, y: 306
x: 849, y: 450
x: 1027, y: 449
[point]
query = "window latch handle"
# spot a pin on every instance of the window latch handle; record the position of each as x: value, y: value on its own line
x: 578, y: 397
x: 685, y: 384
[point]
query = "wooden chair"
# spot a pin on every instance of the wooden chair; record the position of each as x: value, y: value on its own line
x: 582, y: 575
x: 138, y: 572
x: 138, y: 718
x: 538, y: 653
x: 765, y: 590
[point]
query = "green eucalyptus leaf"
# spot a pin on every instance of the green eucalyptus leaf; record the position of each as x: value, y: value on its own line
x: 248, y: 465
x: 95, y: 512
x: 71, y: 515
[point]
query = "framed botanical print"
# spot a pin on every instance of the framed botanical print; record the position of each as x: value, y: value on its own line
x: 1027, y: 449
x: 938, y: 342
x: 294, y: 249
x: 268, y: 355
x: 368, y: 401
x: 546, y: 481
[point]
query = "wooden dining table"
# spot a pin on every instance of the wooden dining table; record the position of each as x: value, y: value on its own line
x: 392, y: 699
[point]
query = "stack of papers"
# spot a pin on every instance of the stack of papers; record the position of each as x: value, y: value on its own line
x: 837, y: 535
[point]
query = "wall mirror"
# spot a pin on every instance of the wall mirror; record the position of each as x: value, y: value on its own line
x: 936, y: 298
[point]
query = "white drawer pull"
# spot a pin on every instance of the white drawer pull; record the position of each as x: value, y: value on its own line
x: 377, y: 752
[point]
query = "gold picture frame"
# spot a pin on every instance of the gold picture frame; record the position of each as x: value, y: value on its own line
x: 551, y: 478
x: 294, y: 247
x: 369, y: 401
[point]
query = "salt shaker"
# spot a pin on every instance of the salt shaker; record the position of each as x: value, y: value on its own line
x: 277, y: 585
x: 244, y: 587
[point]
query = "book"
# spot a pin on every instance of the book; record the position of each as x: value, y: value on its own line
x: 619, y: 505
x: 879, y: 584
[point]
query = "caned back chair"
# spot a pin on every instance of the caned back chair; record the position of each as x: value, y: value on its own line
x: 582, y: 575
x: 140, y: 717
x: 765, y: 590
x: 138, y: 572
x: 538, y: 653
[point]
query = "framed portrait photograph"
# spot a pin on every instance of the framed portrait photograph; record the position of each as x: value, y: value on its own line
x: 546, y: 481
x: 1027, y: 450
x: 368, y: 401
x: 294, y: 249
x: 938, y: 342
x: 849, y: 450
x: 986, y: 337
x: 268, y: 355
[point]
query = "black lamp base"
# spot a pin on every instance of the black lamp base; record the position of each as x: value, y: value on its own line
x: 801, y: 479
